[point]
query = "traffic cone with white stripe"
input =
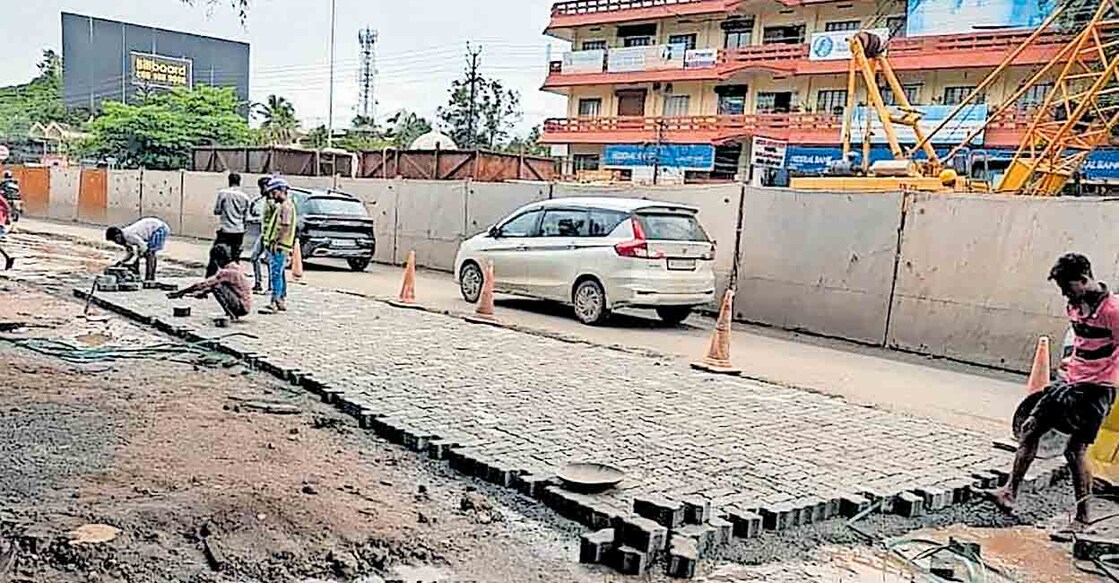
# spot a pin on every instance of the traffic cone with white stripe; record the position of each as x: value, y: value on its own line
x: 1039, y: 372
x: 717, y: 359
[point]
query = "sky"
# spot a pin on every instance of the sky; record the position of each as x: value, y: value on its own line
x: 420, y: 49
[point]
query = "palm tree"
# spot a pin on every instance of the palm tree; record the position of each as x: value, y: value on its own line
x: 279, y: 124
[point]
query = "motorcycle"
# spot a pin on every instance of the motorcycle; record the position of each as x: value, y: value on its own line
x: 10, y: 190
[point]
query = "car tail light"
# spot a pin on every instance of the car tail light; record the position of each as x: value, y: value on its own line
x: 637, y: 247
x: 710, y: 254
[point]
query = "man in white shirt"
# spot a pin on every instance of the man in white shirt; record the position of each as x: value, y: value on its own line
x: 231, y: 207
x: 144, y: 238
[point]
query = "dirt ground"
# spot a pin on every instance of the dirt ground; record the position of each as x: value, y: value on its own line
x: 202, y: 487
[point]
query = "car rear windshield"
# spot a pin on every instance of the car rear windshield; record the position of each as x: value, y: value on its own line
x: 671, y: 226
x: 335, y: 206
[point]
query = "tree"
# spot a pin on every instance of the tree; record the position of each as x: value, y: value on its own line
x: 406, y: 127
x: 316, y: 138
x: 485, y: 122
x: 279, y: 124
x: 241, y: 6
x: 38, y: 101
x: 159, y: 131
x: 529, y: 145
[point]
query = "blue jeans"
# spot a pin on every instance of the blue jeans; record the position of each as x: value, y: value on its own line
x: 255, y: 256
x: 277, y: 275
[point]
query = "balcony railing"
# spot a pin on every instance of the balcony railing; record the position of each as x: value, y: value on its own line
x: 597, y: 6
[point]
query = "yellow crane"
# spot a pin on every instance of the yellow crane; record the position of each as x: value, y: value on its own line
x: 1076, y: 116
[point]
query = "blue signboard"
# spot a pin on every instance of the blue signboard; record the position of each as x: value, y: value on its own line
x: 927, y: 17
x: 971, y: 118
x: 1101, y: 164
x: 698, y: 157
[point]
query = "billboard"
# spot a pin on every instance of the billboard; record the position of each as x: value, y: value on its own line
x: 110, y: 60
x: 583, y: 61
x: 927, y: 17
x: 836, y: 45
x: 649, y: 58
x: 698, y: 157
x: 971, y: 118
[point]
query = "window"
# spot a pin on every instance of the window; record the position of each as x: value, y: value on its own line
x: 738, y: 39
x: 732, y: 99
x: 334, y: 206
x: 523, y: 225
x: 669, y: 226
x: 590, y: 107
x: 773, y: 102
x: 564, y: 223
x: 594, y: 45
x: 688, y: 40
x: 585, y: 162
x: 603, y: 222
x: 637, y: 41
x: 1034, y: 96
x: 787, y: 35
x: 956, y: 95
x: 831, y: 101
x: 896, y: 25
x: 911, y: 93
x: 676, y: 105
x: 839, y: 25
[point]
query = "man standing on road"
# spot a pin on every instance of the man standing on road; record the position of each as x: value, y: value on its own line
x: 9, y: 189
x: 231, y: 207
x: 5, y: 226
x: 1079, y: 401
x: 142, y: 239
x: 260, y: 213
x: 279, y: 238
x: 229, y: 286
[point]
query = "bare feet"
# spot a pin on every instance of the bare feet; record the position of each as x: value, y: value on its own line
x: 1002, y: 498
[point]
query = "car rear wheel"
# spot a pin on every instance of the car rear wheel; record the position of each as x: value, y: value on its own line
x: 470, y: 282
x: 674, y: 314
x: 358, y: 263
x: 589, y: 301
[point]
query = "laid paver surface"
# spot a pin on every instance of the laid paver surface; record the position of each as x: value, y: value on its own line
x: 533, y: 403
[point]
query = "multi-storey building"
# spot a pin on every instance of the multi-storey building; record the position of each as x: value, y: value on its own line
x: 690, y: 83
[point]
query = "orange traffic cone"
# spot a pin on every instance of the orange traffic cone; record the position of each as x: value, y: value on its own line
x: 407, y: 296
x: 1039, y: 373
x: 718, y: 352
x: 484, y: 313
x: 297, y: 261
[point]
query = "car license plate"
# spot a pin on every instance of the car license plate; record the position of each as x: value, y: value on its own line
x: 344, y: 244
x: 681, y: 264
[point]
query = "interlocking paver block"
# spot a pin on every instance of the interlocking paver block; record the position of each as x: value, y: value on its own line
x: 595, y: 546
x: 667, y: 513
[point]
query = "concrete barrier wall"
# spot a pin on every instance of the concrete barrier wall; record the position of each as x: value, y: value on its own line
x: 380, y: 200
x: 431, y: 219
x: 972, y: 279
x: 123, y: 202
x: 817, y: 261
x: 489, y: 202
x: 163, y: 197
x: 199, y: 191
x: 64, y: 183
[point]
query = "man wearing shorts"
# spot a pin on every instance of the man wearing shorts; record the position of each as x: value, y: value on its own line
x: 144, y: 238
x: 1079, y: 401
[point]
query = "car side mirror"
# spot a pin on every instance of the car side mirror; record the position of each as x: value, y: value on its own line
x: 495, y: 232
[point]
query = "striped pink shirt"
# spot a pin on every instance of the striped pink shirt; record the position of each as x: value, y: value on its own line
x: 1093, y: 358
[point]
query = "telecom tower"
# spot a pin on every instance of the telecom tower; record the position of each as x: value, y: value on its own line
x: 367, y: 77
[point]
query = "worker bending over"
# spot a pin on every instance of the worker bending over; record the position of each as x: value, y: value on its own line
x: 1081, y: 398
x: 144, y: 238
x: 228, y: 286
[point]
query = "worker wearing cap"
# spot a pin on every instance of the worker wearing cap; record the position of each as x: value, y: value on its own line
x: 279, y: 240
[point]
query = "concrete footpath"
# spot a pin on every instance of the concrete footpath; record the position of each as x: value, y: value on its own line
x: 967, y: 397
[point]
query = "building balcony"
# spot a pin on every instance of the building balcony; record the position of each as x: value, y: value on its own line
x: 797, y: 128
x: 569, y: 14
x: 979, y: 50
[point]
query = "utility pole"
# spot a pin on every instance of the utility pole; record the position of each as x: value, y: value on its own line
x: 367, y: 80
x: 473, y: 62
x: 330, y: 98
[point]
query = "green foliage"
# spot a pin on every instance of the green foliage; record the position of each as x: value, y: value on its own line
x: 279, y: 126
x: 406, y: 127
x: 529, y: 145
x: 160, y: 130
x: 39, y: 101
x: 494, y: 112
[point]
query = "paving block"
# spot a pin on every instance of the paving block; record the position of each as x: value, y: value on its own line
x: 746, y: 525
x: 594, y: 547
x: 724, y: 529
x: 852, y: 504
x: 882, y: 500
x: 641, y: 533
x: 532, y: 485
x: 935, y: 498
x: 438, y: 449
x: 909, y: 505
x: 985, y: 480
x: 834, y: 507
x: 667, y: 513
x: 683, y: 557
x: 960, y: 490
x: 698, y: 510
x: 776, y: 516
x: 631, y: 561
x: 704, y: 536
